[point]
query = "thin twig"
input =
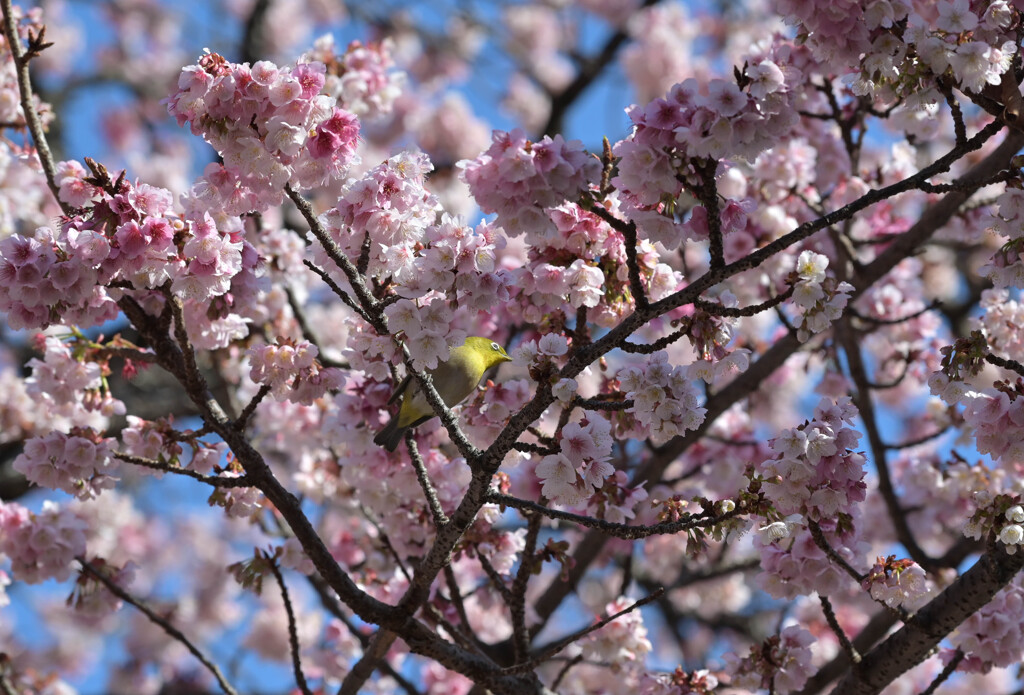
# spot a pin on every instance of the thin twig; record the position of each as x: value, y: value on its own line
x: 946, y: 672
x: 959, y: 129
x: 367, y: 664
x: 35, y: 126
x: 250, y: 408
x: 126, y: 353
x: 329, y: 600
x: 214, y: 480
x: 336, y: 288
x: 601, y: 404
x: 865, y: 405
x: 458, y: 634
x: 688, y: 578
x: 561, y: 644
x: 932, y: 306
x: 629, y: 232
x: 165, y: 624
x: 735, y: 312
x: 830, y: 617
x: 565, y: 670
x: 497, y: 581
x: 440, y: 518
x: 917, y: 442
x: 307, y: 330
x: 293, y: 634
x: 517, y: 607
x: 1012, y: 365
x: 650, y: 348
x: 624, y: 531
x: 822, y: 542
x: 462, y: 632
x: 383, y: 536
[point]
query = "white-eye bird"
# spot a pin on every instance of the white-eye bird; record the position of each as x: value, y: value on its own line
x: 453, y: 379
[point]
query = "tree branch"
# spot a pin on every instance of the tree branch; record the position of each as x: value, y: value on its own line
x: 912, y: 643
x: 162, y: 622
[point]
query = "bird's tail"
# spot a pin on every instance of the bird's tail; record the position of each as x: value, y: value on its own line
x: 390, y: 436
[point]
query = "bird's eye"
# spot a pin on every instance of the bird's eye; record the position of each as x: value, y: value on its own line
x: 495, y: 347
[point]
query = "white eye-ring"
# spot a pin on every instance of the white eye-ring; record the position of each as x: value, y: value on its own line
x: 495, y: 347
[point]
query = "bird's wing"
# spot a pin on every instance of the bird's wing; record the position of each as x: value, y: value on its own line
x: 401, y: 389
x: 458, y: 377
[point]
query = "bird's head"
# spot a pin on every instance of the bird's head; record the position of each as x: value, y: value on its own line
x: 488, y: 350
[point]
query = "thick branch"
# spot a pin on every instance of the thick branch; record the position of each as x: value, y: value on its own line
x: 912, y: 643
x: 903, y: 246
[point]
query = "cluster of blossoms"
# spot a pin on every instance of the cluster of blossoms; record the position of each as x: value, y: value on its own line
x: 581, y: 262
x: 25, y: 200
x: 449, y: 131
x: 820, y: 298
x: 698, y: 682
x: 734, y: 225
x: 535, y: 36
x: 1012, y: 534
x: 581, y: 466
x: 370, y: 353
x: 814, y: 476
x: 44, y: 281
x: 694, y: 124
x: 1006, y: 267
x: 664, y: 398
x: 945, y: 491
x: 390, y: 208
x: 782, y: 664
x: 709, y: 335
x: 623, y: 642
x: 238, y: 502
x: 300, y: 136
x: 277, y: 126
x: 456, y: 258
x: 998, y: 515
x: 539, y: 354
x: 40, y: 546
x: 896, y: 582
x: 70, y: 387
x: 128, y: 236
x: 665, y: 42
x: 994, y: 634
x: 889, y: 45
x: 487, y: 412
x: 159, y: 441
x: 616, y: 501
x: 518, y: 179
x: 91, y: 597
x: 19, y: 416
x: 995, y: 417
x: 80, y: 463
x: 361, y: 78
x: 427, y: 328
x: 1002, y: 322
x: 292, y: 371
x: 502, y: 548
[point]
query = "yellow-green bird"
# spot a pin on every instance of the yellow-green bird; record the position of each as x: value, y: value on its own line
x: 454, y: 380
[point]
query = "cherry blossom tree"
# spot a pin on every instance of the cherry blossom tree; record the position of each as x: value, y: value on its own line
x: 764, y: 426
